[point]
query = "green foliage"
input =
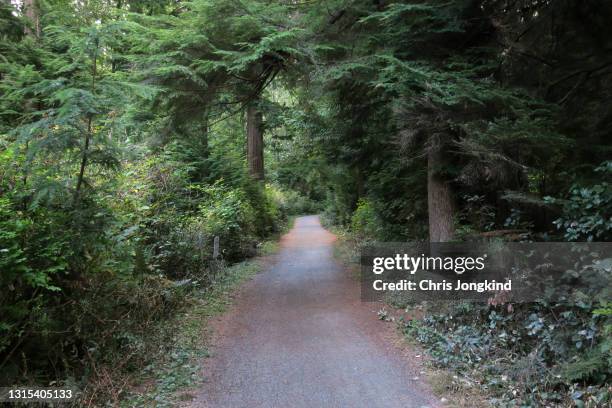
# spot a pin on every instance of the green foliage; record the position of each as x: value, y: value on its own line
x: 29, y: 258
x: 587, y: 211
x: 531, y: 355
x: 551, y: 351
x: 122, y: 157
x: 113, y: 181
x: 365, y: 222
x: 291, y: 202
x: 227, y: 214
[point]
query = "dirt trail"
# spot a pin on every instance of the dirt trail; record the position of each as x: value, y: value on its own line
x: 298, y: 336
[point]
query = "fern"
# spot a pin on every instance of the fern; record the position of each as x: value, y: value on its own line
x: 594, y: 366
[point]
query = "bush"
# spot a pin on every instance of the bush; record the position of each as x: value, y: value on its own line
x: 90, y: 286
x: 291, y: 202
x: 32, y: 255
x: 587, y: 211
x: 365, y: 221
x: 554, y: 352
x: 228, y: 214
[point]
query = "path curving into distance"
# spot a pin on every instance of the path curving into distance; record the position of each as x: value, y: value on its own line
x: 299, y: 336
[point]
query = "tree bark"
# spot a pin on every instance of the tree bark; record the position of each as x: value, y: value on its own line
x: 31, y: 11
x: 440, y: 203
x: 255, y: 147
x: 359, y: 182
x: 89, y: 132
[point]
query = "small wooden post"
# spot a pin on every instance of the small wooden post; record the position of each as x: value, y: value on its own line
x: 216, y: 248
x: 214, y: 265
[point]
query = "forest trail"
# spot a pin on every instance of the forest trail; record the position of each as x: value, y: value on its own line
x: 299, y: 336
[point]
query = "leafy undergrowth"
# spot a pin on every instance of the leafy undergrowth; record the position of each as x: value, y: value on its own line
x: 529, y: 355
x: 179, y: 368
x: 555, y: 351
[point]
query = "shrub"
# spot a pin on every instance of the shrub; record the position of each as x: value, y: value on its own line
x: 291, y: 202
x: 553, y: 352
x: 365, y: 221
x: 89, y: 286
x: 32, y: 255
x: 587, y: 211
x: 227, y: 213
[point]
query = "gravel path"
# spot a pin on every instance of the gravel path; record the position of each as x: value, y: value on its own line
x: 299, y: 336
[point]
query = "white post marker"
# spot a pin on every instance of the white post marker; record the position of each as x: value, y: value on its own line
x: 216, y: 247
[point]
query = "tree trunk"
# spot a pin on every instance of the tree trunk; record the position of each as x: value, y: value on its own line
x: 359, y: 182
x: 439, y: 200
x: 88, y: 134
x: 255, y: 148
x: 31, y: 11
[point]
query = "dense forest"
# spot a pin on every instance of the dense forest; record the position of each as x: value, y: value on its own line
x: 134, y: 132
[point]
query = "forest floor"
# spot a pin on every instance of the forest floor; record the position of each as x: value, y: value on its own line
x: 298, y: 335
